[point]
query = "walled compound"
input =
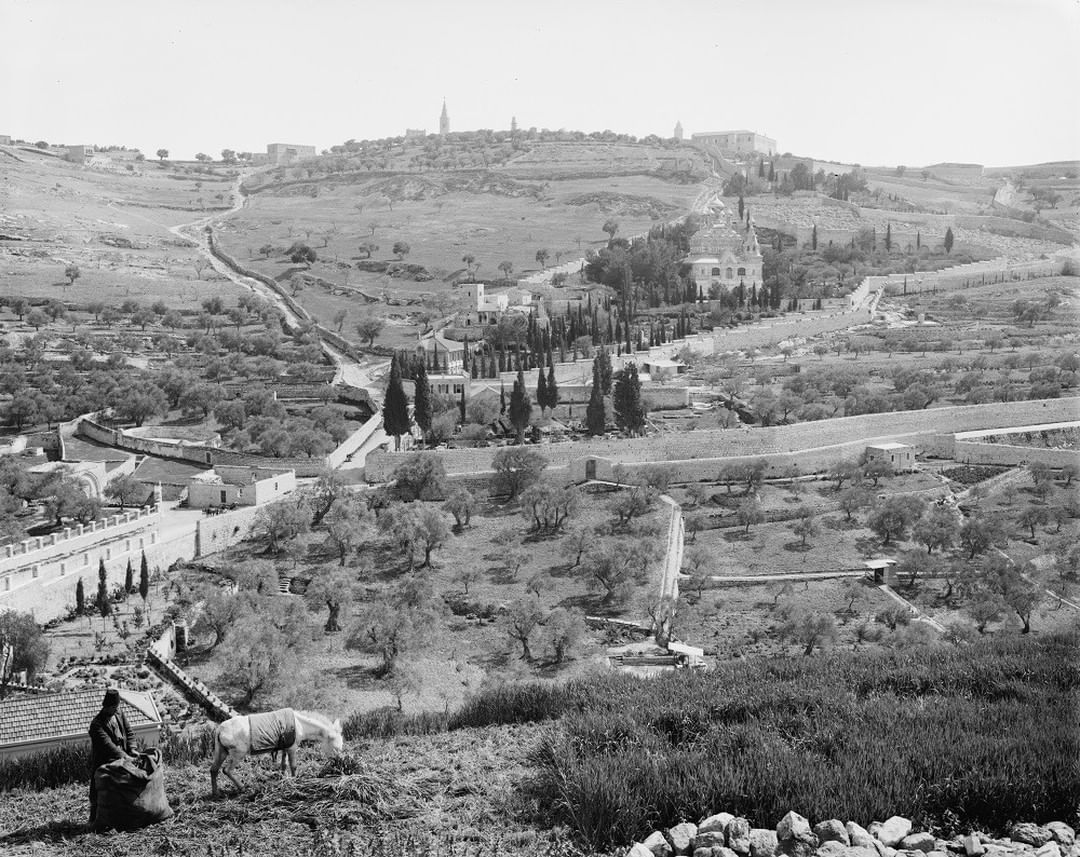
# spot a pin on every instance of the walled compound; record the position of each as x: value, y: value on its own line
x: 811, y: 446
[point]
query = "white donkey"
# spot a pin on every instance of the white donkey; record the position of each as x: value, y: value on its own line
x: 275, y: 731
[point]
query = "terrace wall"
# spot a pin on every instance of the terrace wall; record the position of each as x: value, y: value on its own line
x: 811, y: 446
x: 973, y: 452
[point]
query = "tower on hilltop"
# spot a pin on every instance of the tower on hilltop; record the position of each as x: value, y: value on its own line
x: 678, y: 131
x: 444, y: 120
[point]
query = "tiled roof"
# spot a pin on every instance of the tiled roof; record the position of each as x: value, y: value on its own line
x: 56, y: 715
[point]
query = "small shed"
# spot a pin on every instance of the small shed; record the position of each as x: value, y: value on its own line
x: 882, y: 571
x: 661, y: 367
x: 37, y: 722
x: 900, y: 456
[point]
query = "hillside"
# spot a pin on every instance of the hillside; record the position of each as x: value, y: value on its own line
x: 114, y: 224
x: 956, y: 737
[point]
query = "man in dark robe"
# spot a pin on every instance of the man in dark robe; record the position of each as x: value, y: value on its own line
x: 111, y: 738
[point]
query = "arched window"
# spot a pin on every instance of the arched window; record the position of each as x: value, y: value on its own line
x: 716, y: 272
x: 730, y: 274
x: 741, y: 272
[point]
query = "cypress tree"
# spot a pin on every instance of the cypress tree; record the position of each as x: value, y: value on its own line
x: 80, y: 598
x: 102, y: 600
x: 552, y: 387
x: 813, y: 238
x: 144, y: 577
x: 948, y: 239
x: 520, y: 407
x: 918, y: 240
x: 604, y: 360
x: 595, y: 423
x: 422, y: 408
x: 396, y: 420
x: 761, y: 168
x: 629, y: 410
x: 129, y: 579
x: 888, y: 237
x: 741, y: 207
x: 541, y: 390
x: 502, y: 398
x: 461, y: 404
x: 772, y: 172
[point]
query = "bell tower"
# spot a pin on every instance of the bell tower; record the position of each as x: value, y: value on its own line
x: 444, y: 121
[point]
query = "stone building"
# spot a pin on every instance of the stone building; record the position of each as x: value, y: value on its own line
x: 288, y: 153
x: 740, y: 142
x: 678, y: 131
x: 415, y: 133
x: 444, y: 121
x: 724, y: 252
x: 228, y: 485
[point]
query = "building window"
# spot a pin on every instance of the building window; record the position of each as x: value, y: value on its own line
x: 715, y: 272
x: 86, y: 559
x: 7, y: 583
x: 742, y: 272
x: 63, y: 569
x: 34, y: 572
x: 730, y: 274
x: 127, y: 546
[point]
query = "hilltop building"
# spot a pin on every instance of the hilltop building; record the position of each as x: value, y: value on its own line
x: 415, y: 133
x: 444, y: 121
x: 678, y: 131
x: 737, y: 142
x: 487, y: 309
x: 227, y: 485
x: 288, y: 153
x: 724, y: 253
x: 77, y: 154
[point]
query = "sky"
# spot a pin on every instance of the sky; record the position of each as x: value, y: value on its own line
x: 877, y: 82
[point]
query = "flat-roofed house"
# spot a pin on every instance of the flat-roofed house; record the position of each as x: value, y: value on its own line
x: 900, y: 455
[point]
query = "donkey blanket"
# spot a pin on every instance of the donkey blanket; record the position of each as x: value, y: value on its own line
x: 273, y: 731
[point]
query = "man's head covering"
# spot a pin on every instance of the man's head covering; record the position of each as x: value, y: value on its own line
x: 112, y: 698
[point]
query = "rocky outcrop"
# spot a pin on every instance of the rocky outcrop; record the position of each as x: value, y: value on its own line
x: 727, y: 835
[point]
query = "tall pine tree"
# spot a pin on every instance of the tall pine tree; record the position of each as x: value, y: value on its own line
x: 396, y: 420
x: 129, y: 579
x: 629, y: 409
x: 102, y: 600
x: 80, y: 598
x: 520, y: 407
x: 422, y: 407
x: 604, y: 361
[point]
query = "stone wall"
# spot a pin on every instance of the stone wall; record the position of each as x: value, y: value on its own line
x: 973, y: 452
x: 92, y: 430
x: 40, y: 577
x: 217, y: 532
x: 811, y: 445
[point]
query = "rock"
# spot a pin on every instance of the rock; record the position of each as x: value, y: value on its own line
x: 762, y: 842
x: 883, y: 850
x: 832, y: 848
x: 860, y: 851
x: 858, y: 835
x: 656, y: 843
x: 923, y: 842
x: 832, y: 830
x: 710, y: 839
x: 720, y: 821
x: 714, y: 851
x: 682, y: 837
x: 1029, y: 834
x: 892, y: 831
x: 937, y: 852
x: 793, y: 826
x: 1061, y: 832
x: 1050, y: 849
x: 794, y: 836
x: 972, y: 846
x: 638, y: 850
x: 738, y: 836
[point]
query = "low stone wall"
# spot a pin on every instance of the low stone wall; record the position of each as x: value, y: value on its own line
x: 973, y: 452
x: 217, y: 532
x: 160, y: 655
x: 811, y: 445
x: 304, y: 467
x: 354, y: 441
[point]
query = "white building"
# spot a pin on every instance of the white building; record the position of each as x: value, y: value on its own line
x: 724, y: 253
x: 740, y: 142
x: 228, y: 485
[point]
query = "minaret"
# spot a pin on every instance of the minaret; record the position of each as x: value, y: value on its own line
x: 678, y: 131
x: 444, y: 121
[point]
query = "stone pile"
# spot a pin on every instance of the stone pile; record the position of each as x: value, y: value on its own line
x: 725, y: 835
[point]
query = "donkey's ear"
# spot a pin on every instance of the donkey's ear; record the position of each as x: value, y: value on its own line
x: 337, y: 725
